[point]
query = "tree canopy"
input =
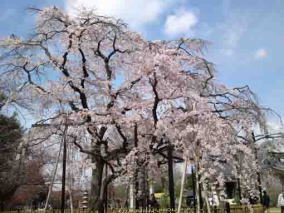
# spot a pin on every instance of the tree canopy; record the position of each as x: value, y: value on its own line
x: 126, y: 100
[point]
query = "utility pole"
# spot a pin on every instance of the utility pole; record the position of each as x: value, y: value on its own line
x: 106, y: 191
x: 136, y: 172
x: 193, y: 188
x: 258, y: 173
x: 63, y: 169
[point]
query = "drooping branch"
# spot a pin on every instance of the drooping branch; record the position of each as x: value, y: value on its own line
x: 154, y: 83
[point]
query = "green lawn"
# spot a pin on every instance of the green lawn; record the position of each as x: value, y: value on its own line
x: 274, y: 210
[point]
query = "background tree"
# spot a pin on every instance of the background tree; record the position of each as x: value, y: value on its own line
x: 33, y: 190
x: 11, y: 162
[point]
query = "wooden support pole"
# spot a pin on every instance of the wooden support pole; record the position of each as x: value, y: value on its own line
x: 182, y: 185
x: 53, y: 177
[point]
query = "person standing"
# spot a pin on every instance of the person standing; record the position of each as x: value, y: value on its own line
x: 224, y: 204
x: 266, y: 201
x: 153, y: 203
x: 227, y: 207
x: 281, y: 202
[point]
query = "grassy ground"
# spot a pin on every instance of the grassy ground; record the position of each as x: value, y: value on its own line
x: 274, y: 210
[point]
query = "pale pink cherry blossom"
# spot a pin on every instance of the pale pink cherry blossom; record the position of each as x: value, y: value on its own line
x: 126, y: 100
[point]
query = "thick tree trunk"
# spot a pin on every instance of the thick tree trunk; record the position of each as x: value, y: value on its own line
x: 143, y: 189
x: 2, y: 205
x: 239, y: 189
x: 171, y: 185
x: 97, y: 189
x: 136, y: 190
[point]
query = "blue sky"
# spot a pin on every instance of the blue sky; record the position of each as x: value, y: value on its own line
x: 247, y: 37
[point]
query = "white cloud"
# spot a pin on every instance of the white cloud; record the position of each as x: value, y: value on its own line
x: 180, y: 23
x: 232, y: 37
x: 134, y: 12
x: 233, y: 30
x: 260, y: 54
